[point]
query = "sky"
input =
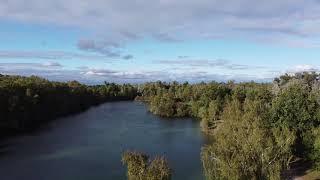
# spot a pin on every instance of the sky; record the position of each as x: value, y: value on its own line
x: 136, y: 41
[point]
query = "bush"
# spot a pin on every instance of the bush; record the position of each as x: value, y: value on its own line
x: 244, y: 148
x: 311, y: 141
x: 139, y: 167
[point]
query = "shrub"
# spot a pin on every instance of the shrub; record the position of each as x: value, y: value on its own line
x: 140, y: 167
x: 244, y: 148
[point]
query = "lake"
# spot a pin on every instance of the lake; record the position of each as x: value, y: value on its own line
x: 88, y: 146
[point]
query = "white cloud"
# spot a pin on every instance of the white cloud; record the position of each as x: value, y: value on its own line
x: 52, y: 64
x: 53, y: 71
x: 207, y: 63
x: 44, y: 66
x: 303, y: 68
x: 174, y: 20
x: 98, y: 72
x: 47, y: 55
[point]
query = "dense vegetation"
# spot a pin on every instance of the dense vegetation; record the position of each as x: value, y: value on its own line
x: 258, y: 129
x: 27, y: 102
x: 140, y: 167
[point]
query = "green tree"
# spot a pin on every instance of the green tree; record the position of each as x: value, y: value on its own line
x: 244, y: 149
x: 163, y: 105
x: 140, y: 167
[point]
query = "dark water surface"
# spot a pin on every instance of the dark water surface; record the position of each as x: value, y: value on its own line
x: 88, y: 146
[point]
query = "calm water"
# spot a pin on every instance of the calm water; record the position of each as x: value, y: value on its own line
x: 88, y: 146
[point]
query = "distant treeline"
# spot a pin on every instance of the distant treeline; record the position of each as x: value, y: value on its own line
x: 258, y: 129
x: 27, y: 102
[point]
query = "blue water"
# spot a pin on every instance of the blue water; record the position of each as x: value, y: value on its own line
x: 88, y: 146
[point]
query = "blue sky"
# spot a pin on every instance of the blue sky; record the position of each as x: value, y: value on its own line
x: 141, y: 41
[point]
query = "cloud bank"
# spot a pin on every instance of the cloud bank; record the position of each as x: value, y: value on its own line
x: 57, y: 72
x: 292, y: 22
x: 115, y: 23
x: 47, y: 55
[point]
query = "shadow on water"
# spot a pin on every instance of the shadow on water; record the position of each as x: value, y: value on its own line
x: 4, y: 149
x: 298, y: 168
x: 6, y: 137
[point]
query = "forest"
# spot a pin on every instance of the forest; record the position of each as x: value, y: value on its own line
x: 28, y: 102
x: 258, y: 129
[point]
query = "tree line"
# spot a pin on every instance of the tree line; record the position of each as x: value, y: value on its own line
x: 27, y: 102
x: 258, y: 129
